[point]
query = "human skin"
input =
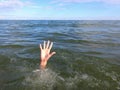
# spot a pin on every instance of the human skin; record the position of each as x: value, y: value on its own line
x: 45, y: 53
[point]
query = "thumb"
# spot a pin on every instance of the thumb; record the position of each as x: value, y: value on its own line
x: 51, y: 54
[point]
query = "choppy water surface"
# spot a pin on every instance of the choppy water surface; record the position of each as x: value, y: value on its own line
x: 87, y: 55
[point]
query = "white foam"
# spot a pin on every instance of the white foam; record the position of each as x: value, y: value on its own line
x: 41, y: 78
x: 37, y: 70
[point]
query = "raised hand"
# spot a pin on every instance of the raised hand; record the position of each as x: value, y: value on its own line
x: 45, y: 53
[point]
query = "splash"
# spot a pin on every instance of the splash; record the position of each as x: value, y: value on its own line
x: 43, y: 79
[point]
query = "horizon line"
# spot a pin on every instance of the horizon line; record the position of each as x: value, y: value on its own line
x: 59, y: 19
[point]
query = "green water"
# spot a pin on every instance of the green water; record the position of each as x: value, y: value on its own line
x: 87, y: 55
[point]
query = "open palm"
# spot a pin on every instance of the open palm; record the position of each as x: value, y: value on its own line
x: 45, y: 53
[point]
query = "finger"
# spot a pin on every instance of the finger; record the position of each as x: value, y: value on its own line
x: 51, y: 54
x: 44, y: 45
x: 40, y: 47
x: 48, y: 44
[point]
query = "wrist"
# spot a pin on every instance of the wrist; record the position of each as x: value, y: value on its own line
x: 42, y: 65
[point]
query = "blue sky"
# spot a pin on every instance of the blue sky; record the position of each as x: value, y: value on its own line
x: 60, y: 9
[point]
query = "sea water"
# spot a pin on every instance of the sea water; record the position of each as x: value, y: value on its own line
x: 87, y: 55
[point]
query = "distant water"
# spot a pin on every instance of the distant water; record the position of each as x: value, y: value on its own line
x: 87, y: 55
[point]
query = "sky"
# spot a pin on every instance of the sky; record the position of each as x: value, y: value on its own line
x: 60, y: 9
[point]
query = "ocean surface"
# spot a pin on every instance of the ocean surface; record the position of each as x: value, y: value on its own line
x: 87, y: 55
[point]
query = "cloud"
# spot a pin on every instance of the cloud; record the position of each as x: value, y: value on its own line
x: 12, y: 4
x: 111, y: 1
x: 84, y: 1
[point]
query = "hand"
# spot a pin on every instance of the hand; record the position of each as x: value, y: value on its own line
x: 45, y: 53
